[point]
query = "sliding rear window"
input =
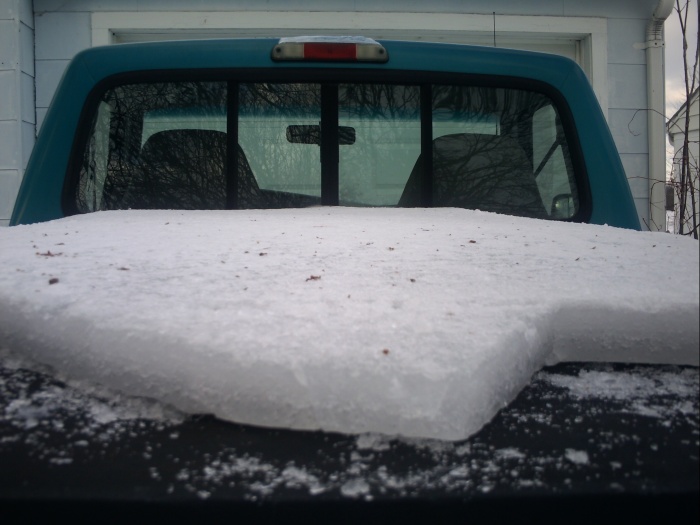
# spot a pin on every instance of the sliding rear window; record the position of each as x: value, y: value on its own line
x: 225, y: 144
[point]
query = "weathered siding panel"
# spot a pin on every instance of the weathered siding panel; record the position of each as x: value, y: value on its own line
x: 541, y: 7
x: 624, y: 81
x: 615, y: 9
x: 59, y: 36
x: 635, y: 165
x: 17, y: 114
x: 623, y: 33
x: 628, y: 101
x: 608, y: 8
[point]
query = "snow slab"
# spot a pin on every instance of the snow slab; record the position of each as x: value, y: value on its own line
x: 417, y: 322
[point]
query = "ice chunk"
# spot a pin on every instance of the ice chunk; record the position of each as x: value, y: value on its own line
x: 414, y: 322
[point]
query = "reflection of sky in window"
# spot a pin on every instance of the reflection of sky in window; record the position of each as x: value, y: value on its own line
x: 447, y: 121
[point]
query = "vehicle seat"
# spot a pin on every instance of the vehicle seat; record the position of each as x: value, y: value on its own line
x: 475, y: 171
x: 186, y: 169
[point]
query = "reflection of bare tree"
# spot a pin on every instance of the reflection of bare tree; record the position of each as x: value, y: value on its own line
x: 466, y: 103
x: 127, y: 170
x: 375, y: 101
x: 287, y: 99
x: 386, y: 117
x: 289, y: 161
x: 482, y: 171
x: 288, y: 171
x: 183, y: 169
x: 513, y: 108
x: 163, y: 145
x: 486, y: 172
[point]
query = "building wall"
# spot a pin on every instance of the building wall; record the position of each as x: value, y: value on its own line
x: 17, y: 112
x: 676, y: 135
x: 64, y: 28
x: 627, y: 102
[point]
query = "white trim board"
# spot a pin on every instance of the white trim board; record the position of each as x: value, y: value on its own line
x: 585, y: 39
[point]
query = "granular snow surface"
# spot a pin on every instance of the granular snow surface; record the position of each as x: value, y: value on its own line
x: 416, y: 322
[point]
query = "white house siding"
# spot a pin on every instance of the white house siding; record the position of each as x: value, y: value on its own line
x: 627, y: 103
x: 676, y: 126
x: 17, y: 113
x: 59, y: 36
x: 64, y: 28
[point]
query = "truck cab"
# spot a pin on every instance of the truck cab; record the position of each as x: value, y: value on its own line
x: 263, y: 123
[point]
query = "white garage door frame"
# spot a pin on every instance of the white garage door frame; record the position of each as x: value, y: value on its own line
x: 584, y: 39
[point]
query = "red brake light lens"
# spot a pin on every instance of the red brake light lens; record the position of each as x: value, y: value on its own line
x: 329, y: 49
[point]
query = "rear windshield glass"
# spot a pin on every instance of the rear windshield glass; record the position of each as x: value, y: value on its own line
x: 222, y: 145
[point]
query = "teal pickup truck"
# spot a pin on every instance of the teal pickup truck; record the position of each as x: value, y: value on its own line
x: 329, y: 121
x: 263, y: 123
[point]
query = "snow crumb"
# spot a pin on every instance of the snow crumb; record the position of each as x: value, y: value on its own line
x: 579, y: 457
x: 428, y: 339
x: 634, y: 390
x: 355, y: 488
x: 510, y: 453
x: 375, y: 442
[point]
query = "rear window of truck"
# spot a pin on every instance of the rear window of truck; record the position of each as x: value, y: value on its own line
x: 240, y: 145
